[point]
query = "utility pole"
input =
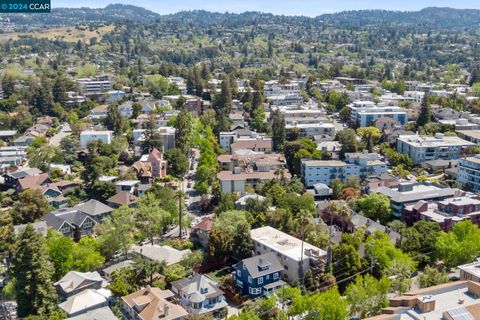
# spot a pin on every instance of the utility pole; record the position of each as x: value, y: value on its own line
x: 180, y: 193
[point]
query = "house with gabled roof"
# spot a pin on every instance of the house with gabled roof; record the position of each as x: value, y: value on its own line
x: 74, y: 282
x: 152, y: 303
x: 122, y: 198
x: 259, y: 275
x: 70, y: 222
x: 86, y: 300
x: 199, y: 294
x: 94, y: 209
x: 10, y: 179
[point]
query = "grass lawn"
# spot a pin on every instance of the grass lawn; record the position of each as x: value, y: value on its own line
x: 217, y: 275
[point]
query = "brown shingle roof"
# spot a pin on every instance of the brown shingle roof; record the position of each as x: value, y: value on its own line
x: 121, y: 198
x: 157, y: 307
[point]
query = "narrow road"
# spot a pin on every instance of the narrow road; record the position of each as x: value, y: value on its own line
x: 64, y: 131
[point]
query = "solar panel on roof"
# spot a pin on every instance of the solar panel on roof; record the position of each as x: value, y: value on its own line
x: 460, y: 313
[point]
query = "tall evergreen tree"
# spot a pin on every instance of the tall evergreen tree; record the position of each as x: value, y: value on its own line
x: 42, y: 98
x: 425, y: 112
x: 223, y: 106
x: 59, y: 91
x: 8, y: 84
x: 278, y: 130
x: 242, y: 244
x: 184, y: 127
x: 114, y: 120
x: 33, y: 272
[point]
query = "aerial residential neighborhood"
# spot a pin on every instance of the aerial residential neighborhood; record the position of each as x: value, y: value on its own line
x: 247, y: 161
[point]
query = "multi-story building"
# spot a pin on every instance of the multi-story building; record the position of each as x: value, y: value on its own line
x: 96, y: 86
x: 468, y: 172
x: 167, y: 134
x: 310, y: 130
x: 360, y: 165
x: 406, y: 194
x: 88, y: 136
x: 364, y: 113
x: 199, y: 294
x: 259, y: 275
x: 423, y: 148
x: 233, y: 141
x: 288, y: 250
x: 452, y: 301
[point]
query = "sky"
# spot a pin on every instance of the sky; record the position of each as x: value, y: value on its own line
x: 286, y: 7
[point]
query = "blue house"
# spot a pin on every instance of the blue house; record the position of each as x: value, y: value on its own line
x: 259, y: 275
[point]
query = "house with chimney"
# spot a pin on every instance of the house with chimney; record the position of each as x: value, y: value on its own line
x: 259, y: 275
x: 152, y: 304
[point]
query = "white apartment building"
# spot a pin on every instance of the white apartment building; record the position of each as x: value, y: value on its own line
x: 274, y: 88
x: 360, y: 165
x: 167, y: 134
x: 309, y: 130
x: 469, y: 172
x: 97, y: 86
x: 233, y: 141
x: 88, y: 136
x: 423, y: 148
x: 289, y: 252
x: 364, y: 113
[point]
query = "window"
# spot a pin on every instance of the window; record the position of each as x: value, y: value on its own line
x: 260, y: 280
x: 275, y: 276
x: 254, y: 290
x: 267, y: 277
x: 239, y: 273
x: 88, y: 223
x: 239, y: 284
x: 65, y: 228
x: 249, y: 279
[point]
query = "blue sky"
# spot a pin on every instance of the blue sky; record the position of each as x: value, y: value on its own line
x: 287, y: 7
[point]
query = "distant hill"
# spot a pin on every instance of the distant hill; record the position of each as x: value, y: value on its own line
x: 439, y: 18
x: 73, y: 16
x: 447, y: 18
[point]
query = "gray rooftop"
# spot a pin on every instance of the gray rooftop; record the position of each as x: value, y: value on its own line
x: 418, y: 191
x: 252, y: 264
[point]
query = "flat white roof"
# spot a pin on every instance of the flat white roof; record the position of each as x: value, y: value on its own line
x: 432, y: 142
x: 283, y: 243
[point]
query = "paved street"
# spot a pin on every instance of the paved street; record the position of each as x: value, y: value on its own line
x: 63, y: 132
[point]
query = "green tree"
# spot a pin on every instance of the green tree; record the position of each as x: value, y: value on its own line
x: 151, y: 219
x: 327, y: 305
x: 369, y: 136
x: 386, y: 256
x: 34, y: 291
x: 60, y: 252
x: 177, y: 162
x: 425, y: 113
x: 117, y: 232
x: 460, y: 245
x: 346, y: 260
x: 278, y: 130
x: 367, y: 296
x: 184, y: 130
x: 375, y: 206
x: 242, y: 244
x: 145, y: 269
x: 114, y: 121
x: 102, y: 190
x: 30, y: 206
x: 348, y: 139
x: 41, y: 157
x: 59, y: 91
x: 431, y: 277
x: 86, y: 255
